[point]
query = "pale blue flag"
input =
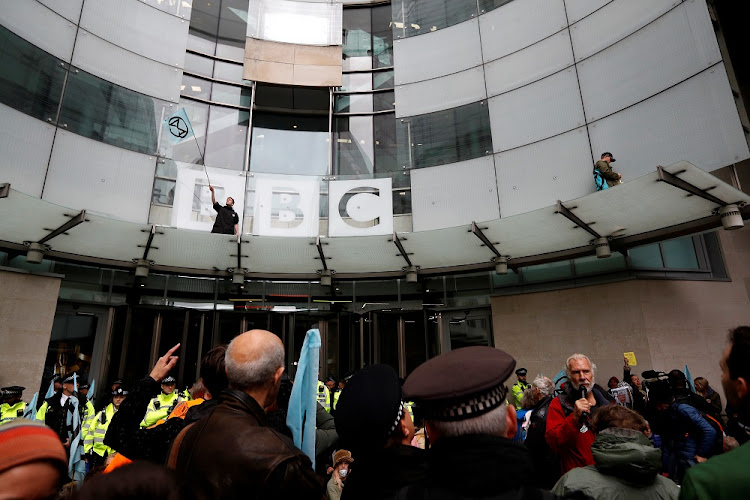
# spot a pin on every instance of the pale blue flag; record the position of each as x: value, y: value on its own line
x: 51, y: 389
x: 689, y: 379
x: 30, y: 413
x: 178, y: 126
x: 302, y: 409
x: 560, y: 379
x: 76, y: 464
x: 92, y: 391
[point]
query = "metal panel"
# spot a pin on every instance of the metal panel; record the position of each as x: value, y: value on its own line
x: 536, y: 111
x: 37, y: 24
x: 614, y: 22
x: 179, y: 8
x: 674, y: 47
x: 516, y: 25
x: 84, y: 173
x: 25, y: 144
x: 440, y: 53
x: 69, y: 9
x: 454, y: 194
x: 138, y: 28
x: 578, y: 9
x: 530, y: 64
x: 440, y: 93
x: 534, y: 176
x: 695, y: 121
x: 117, y: 65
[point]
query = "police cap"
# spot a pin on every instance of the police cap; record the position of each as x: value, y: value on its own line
x: 119, y: 392
x: 521, y: 372
x: 169, y: 380
x: 370, y: 407
x: 68, y: 379
x: 441, y: 395
x: 13, y: 390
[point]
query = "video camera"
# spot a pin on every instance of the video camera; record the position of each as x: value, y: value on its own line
x: 653, y: 378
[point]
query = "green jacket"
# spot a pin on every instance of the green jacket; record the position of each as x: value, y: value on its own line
x: 160, y: 407
x: 721, y: 477
x: 626, y: 468
x: 93, y: 441
x: 10, y: 412
x: 608, y: 174
x: 517, y: 391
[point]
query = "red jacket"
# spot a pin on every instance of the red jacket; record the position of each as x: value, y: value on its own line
x: 565, y: 438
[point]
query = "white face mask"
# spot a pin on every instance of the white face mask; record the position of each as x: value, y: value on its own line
x: 343, y: 472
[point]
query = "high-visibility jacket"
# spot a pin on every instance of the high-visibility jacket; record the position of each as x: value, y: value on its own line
x: 333, y: 396
x: 180, y: 410
x: 323, y: 396
x: 10, y: 412
x: 408, y: 405
x: 336, y: 398
x: 159, y: 407
x: 93, y: 441
x: 517, y: 391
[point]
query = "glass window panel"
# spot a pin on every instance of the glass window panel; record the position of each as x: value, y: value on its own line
x: 227, y: 133
x: 593, y: 265
x: 648, y: 256
x: 30, y: 79
x: 389, y: 132
x: 488, y: 5
x: 502, y: 280
x: 71, y: 345
x: 232, y: 29
x: 468, y: 331
x: 139, y: 346
x: 357, y: 40
x: 384, y: 101
x: 402, y: 201
x: 382, y: 80
x: 382, y: 37
x: 289, y: 144
x: 289, y: 21
x: 230, y: 72
x: 356, y: 81
x: 415, y: 340
x: 354, y: 145
x: 199, y: 64
x: 547, y: 272
x: 106, y: 112
x: 190, y: 151
x: 680, y: 253
x: 231, y: 94
x: 387, y: 338
x: 204, y: 27
x: 163, y: 193
x: 195, y: 87
x: 299, y: 98
x: 414, y: 17
x: 354, y: 103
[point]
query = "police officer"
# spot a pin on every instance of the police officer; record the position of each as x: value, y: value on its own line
x: 93, y: 439
x: 12, y: 407
x: 323, y: 396
x: 54, y: 410
x: 520, y: 386
x: 162, y: 405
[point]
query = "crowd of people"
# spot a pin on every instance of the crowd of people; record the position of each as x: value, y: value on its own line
x: 438, y: 434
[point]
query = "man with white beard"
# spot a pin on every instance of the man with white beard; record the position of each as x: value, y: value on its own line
x: 569, y: 415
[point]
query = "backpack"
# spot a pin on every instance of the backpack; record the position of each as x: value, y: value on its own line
x: 718, y: 446
x: 601, y: 184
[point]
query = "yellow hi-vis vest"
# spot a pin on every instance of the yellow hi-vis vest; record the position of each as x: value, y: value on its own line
x: 322, y: 396
x: 10, y: 412
x: 336, y: 398
x: 160, y: 407
x: 93, y: 441
x: 408, y: 405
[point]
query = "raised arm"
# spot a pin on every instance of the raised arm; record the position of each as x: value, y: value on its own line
x: 213, y: 198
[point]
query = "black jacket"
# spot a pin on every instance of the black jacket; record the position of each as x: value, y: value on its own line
x: 233, y: 453
x: 380, y: 474
x: 546, y: 462
x: 56, y: 415
x: 476, y: 467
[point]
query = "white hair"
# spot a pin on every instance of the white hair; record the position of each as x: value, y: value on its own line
x: 256, y: 373
x: 544, y: 384
x: 575, y: 357
x: 493, y: 423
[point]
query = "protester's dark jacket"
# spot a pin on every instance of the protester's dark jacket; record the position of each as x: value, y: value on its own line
x: 626, y: 467
x: 639, y: 402
x: 379, y: 475
x: 126, y: 436
x: 233, y: 454
x: 546, y: 462
x: 477, y: 467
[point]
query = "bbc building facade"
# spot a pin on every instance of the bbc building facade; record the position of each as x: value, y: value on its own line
x: 410, y: 176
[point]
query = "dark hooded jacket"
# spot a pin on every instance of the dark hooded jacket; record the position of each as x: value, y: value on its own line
x: 380, y: 474
x: 626, y: 468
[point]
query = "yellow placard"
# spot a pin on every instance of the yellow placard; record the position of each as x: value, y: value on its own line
x: 630, y: 356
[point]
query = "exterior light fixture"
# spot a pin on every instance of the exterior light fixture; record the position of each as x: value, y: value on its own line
x: 731, y: 218
x: 602, y: 248
x: 238, y: 277
x: 411, y: 274
x: 501, y: 265
x: 141, y: 268
x: 326, y: 277
x: 35, y: 253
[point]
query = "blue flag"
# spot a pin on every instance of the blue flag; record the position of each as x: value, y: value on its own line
x: 178, y: 126
x: 51, y: 389
x: 76, y: 464
x: 92, y: 391
x: 300, y: 417
x: 30, y: 413
x: 689, y: 379
x: 560, y: 379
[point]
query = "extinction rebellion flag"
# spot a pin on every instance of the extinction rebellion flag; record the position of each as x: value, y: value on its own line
x: 178, y: 126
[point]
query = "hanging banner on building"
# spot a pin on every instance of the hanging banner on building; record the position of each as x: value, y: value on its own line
x: 287, y: 205
x: 360, y: 207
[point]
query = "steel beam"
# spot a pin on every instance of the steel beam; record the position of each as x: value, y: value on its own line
x: 401, y: 249
x: 565, y: 212
x: 68, y: 225
x: 320, y: 244
x: 675, y: 181
x: 479, y: 234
